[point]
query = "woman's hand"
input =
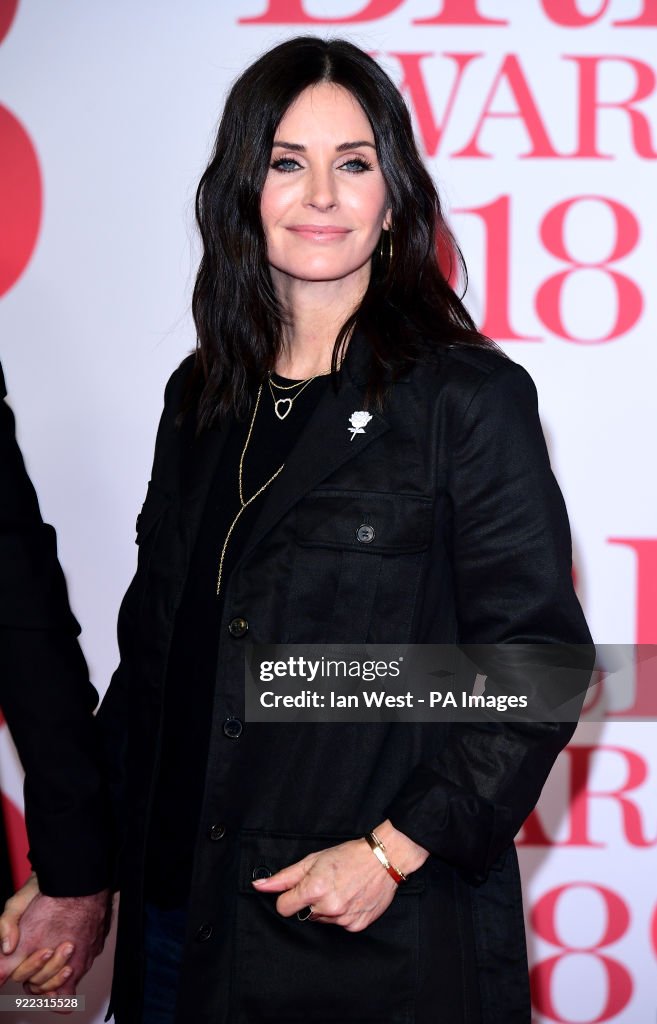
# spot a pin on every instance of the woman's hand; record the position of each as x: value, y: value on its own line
x: 346, y: 884
x: 43, y: 966
x: 49, y: 943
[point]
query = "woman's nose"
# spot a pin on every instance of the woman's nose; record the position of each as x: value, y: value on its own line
x: 321, y: 191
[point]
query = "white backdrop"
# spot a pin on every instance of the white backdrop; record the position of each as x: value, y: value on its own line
x: 540, y: 132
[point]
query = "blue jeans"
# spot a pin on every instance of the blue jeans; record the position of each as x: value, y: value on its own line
x: 164, y: 932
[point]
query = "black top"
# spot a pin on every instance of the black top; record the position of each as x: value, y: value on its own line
x: 189, y: 687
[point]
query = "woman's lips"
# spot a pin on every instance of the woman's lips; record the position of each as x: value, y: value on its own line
x: 318, y: 233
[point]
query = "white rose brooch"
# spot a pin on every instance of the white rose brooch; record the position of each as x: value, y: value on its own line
x: 359, y: 421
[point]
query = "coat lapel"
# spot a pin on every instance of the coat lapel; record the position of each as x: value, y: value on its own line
x: 324, y: 445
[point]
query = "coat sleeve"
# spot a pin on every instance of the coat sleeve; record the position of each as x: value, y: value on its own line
x: 512, y: 564
x: 117, y: 707
x: 45, y: 692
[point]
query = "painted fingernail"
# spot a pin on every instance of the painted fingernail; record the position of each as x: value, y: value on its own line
x: 46, y: 956
x: 67, y: 951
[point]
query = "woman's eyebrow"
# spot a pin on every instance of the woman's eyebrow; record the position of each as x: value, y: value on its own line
x: 298, y: 148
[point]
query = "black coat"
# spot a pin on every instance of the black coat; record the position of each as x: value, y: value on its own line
x: 471, y: 544
x: 45, y: 692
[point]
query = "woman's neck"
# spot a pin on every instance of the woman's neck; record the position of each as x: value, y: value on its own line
x: 318, y: 310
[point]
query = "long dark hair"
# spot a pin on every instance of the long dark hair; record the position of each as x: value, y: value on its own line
x: 409, y: 309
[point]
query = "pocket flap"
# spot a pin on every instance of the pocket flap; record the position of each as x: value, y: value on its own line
x: 367, y: 521
x: 154, y: 505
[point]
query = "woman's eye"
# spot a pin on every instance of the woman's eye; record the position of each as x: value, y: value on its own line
x: 277, y: 164
x: 360, y: 163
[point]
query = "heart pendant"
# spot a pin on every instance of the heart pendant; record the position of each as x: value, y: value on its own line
x: 282, y: 402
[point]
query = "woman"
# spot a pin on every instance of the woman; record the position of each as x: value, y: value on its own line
x: 251, y: 885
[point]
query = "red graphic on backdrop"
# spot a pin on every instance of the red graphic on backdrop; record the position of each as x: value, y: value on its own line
x: 629, y: 300
x: 20, y: 199
x: 496, y: 218
x: 544, y: 918
x: 581, y: 797
x: 653, y: 931
x: 526, y: 106
x: 293, y: 12
x: 414, y: 85
x: 567, y: 13
x: 7, y: 13
x: 451, y: 12
x: 645, y: 549
x: 590, y: 103
x: 16, y: 841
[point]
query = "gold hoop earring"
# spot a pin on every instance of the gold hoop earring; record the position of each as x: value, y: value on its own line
x: 387, y: 232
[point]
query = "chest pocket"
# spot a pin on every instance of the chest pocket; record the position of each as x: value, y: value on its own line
x: 151, y: 512
x: 358, y: 565
x: 150, y: 569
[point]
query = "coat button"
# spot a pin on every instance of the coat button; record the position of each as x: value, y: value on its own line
x: 204, y: 932
x: 216, y: 832
x: 261, y: 871
x: 233, y: 728
x: 365, y: 533
x: 238, y: 626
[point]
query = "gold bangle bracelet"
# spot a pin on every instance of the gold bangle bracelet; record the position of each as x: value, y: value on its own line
x: 379, y: 851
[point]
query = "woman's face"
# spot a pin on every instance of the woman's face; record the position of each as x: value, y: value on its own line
x: 323, y: 203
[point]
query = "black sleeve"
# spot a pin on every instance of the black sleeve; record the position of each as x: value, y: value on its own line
x: 32, y: 586
x: 115, y: 712
x: 45, y: 692
x: 512, y: 563
x: 48, y: 703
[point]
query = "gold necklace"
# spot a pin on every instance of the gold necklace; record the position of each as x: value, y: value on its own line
x: 281, y: 402
x: 288, y: 387
x: 243, y: 503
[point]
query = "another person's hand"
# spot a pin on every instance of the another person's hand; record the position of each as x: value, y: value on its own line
x: 49, y: 943
x: 345, y: 884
